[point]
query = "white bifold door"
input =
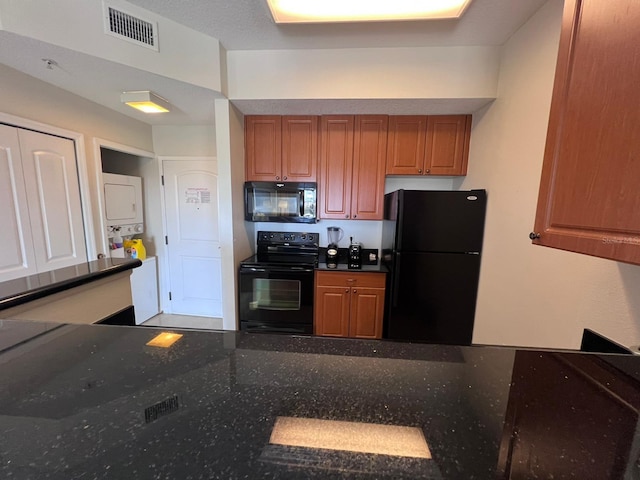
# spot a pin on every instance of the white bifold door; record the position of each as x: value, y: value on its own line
x: 41, y: 213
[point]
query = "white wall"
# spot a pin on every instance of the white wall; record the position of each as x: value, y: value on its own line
x: 79, y: 26
x: 30, y: 98
x: 531, y: 295
x: 184, y: 140
x: 235, y: 235
x: 370, y: 73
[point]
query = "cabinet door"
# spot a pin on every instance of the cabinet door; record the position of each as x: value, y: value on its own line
x: 17, y: 258
x: 447, y: 147
x: 53, y: 196
x: 588, y: 200
x: 367, y: 311
x: 369, y: 160
x: 299, y: 148
x: 263, y: 148
x: 336, y: 164
x: 406, y: 144
x: 331, y: 316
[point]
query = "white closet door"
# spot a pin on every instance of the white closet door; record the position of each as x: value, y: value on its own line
x: 17, y: 257
x: 53, y: 196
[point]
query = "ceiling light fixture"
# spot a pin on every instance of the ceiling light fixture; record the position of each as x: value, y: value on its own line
x: 145, y: 101
x: 323, y: 11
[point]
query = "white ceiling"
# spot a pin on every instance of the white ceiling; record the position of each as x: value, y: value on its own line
x: 247, y: 25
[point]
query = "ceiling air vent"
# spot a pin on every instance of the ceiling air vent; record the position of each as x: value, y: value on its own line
x: 133, y: 29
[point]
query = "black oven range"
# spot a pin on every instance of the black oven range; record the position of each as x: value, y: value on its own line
x: 276, y: 284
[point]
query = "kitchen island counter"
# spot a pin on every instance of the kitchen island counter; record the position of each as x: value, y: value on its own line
x: 85, y: 293
x: 96, y: 401
x: 26, y: 289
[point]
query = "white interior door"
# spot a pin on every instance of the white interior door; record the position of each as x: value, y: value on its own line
x: 191, y: 206
x: 17, y: 258
x: 53, y: 196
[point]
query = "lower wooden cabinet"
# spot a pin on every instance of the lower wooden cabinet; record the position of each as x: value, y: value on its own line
x: 349, y: 304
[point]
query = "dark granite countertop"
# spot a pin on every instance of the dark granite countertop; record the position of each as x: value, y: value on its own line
x: 26, y: 289
x: 342, y: 264
x: 343, y: 267
x: 97, y: 402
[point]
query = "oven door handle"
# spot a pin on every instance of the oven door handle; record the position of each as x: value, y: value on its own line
x: 276, y: 269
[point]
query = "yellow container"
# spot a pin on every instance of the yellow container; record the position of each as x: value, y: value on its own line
x: 137, y: 249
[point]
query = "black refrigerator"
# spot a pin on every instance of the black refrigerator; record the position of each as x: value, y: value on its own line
x: 431, y: 244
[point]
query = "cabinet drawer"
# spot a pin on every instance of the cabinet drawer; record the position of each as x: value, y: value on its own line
x: 350, y: 279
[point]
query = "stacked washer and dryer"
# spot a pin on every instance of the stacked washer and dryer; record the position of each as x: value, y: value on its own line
x: 124, y: 217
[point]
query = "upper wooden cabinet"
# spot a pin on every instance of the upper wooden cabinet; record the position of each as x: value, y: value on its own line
x: 352, y: 166
x: 428, y: 145
x: 588, y: 200
x: 281, y: 148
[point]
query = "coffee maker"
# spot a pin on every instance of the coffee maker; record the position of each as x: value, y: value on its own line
x: 334, y: 235
x: 355, y: 255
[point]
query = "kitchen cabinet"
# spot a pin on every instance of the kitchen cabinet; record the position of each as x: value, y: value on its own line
x: 349, y: 304
x: 43, y: 228
x: 352, y: 166
x: 546, y: 431
x: 428, y: 145
x: 281, y: 148
x: 588, y: 199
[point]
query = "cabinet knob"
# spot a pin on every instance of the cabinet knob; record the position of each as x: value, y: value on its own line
x: 355, y: 216
x: 284, y: 178
x: 346, y: 290
x: 346, y: 216
x: 534, y: 236
x: 355, y: 291
x: 419, y: 170
x: 277, y: 178
x: 427, y: 171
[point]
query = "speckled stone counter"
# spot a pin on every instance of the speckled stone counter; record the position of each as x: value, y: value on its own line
x: 32, y: 287
x: 92, y: 401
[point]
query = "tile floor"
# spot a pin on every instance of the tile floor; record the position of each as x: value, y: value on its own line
x: 184, y: 321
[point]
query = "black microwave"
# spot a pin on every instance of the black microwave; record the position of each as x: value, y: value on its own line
x: 280, y: 202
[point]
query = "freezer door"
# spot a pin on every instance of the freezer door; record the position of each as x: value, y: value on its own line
x: 440, y: 221
x: 432, y: 297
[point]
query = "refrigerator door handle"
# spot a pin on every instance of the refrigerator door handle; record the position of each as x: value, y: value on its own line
x: 396, y: 279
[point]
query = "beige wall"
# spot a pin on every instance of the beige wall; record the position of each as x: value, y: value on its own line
x: 369, y: 73
x: 236, y: 235
x: 530, y: 295
x: 184, y: 140
x: 29, y: 98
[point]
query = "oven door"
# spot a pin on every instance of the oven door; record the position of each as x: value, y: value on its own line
x: 276, y: 299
